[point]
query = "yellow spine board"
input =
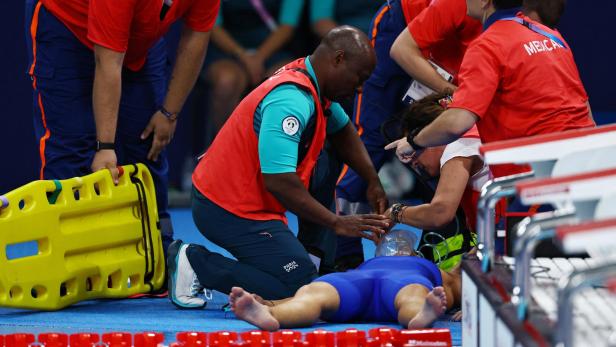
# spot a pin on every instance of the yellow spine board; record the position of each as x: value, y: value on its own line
x: 91, y: 238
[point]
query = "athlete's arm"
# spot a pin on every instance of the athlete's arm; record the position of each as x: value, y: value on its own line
x: 189, y: 59
x: 106, y: 102
x: 442, y: 209
x: 407, y: 54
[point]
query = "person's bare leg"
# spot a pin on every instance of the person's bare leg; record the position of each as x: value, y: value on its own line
x: 304, y: 309
x: 409, y: 302
x: 419, y: 308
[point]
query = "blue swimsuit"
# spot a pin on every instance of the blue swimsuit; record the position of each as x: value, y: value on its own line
x: 368, y: 293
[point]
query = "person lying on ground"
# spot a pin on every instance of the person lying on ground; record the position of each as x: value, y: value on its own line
x: 397, y: 286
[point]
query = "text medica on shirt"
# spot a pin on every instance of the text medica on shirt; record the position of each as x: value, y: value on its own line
x: 535, y: 47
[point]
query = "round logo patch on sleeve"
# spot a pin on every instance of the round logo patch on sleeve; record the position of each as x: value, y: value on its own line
x: 290, y: 125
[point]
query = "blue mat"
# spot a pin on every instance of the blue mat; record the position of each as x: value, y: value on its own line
x: 138, y: 315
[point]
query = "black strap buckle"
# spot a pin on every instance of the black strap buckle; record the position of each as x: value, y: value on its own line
x: 104, y: 145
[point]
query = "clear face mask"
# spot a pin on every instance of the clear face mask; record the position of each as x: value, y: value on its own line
x: 396, y: 243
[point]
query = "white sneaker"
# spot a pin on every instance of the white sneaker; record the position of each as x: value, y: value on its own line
x: 184, y: 287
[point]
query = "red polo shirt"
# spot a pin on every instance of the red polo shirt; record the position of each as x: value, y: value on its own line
x: 520, y: 83
x: 412, y: 8
x: 445, y: 31
x: 130, y: 26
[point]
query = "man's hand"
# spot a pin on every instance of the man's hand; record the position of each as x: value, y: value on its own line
x: 254, y: 65
x: 369, y: 226
x: 404, y: 151
x: 163, y: 130
x: 106, y: 159
x: 376, y: 196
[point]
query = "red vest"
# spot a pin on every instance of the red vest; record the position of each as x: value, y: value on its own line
x: 229, y: 174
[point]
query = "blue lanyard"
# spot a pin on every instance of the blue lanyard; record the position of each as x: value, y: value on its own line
x: 537, y: 29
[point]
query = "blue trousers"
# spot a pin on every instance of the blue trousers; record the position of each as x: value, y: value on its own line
x: 62, y: 70
x: 380, y: 99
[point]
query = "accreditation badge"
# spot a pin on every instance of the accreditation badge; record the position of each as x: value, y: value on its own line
x: 418, y: 91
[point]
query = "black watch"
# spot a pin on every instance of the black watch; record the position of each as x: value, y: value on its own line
x: 410, y: 138
x: 170, y: 115
x: 104, y: 145
x: 396, y: 212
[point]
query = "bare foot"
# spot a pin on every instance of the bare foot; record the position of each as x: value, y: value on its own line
x: 434, y: 307
x: 247, y: 308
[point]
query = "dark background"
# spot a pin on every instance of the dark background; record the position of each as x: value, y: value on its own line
x: 587, y: 26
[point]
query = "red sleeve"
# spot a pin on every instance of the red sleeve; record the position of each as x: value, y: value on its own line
x: 438, y: 21
x: 109, y: 23
x: 576, y: 73
x: 480, y: 76
x: 202, y: 15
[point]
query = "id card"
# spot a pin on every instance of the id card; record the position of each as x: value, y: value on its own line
x: 418, y: 91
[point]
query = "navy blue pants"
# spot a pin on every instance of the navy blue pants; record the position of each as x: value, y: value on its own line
x: 380, y: 99
x: 271, y: 262
x: 63, y: 77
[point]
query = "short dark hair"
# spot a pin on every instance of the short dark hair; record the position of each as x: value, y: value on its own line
x: 549, y: 11
x: 506, y: 4
x: 422, y: 112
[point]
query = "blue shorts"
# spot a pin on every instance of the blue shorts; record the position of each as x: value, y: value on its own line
x: 62, y: 99
x: 367, y: 294
x: 380, y: 99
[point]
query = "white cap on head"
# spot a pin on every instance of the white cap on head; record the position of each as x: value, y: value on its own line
x: 396, y: 242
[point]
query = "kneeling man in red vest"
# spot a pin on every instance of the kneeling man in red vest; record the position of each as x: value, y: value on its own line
x: 260, y: 166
